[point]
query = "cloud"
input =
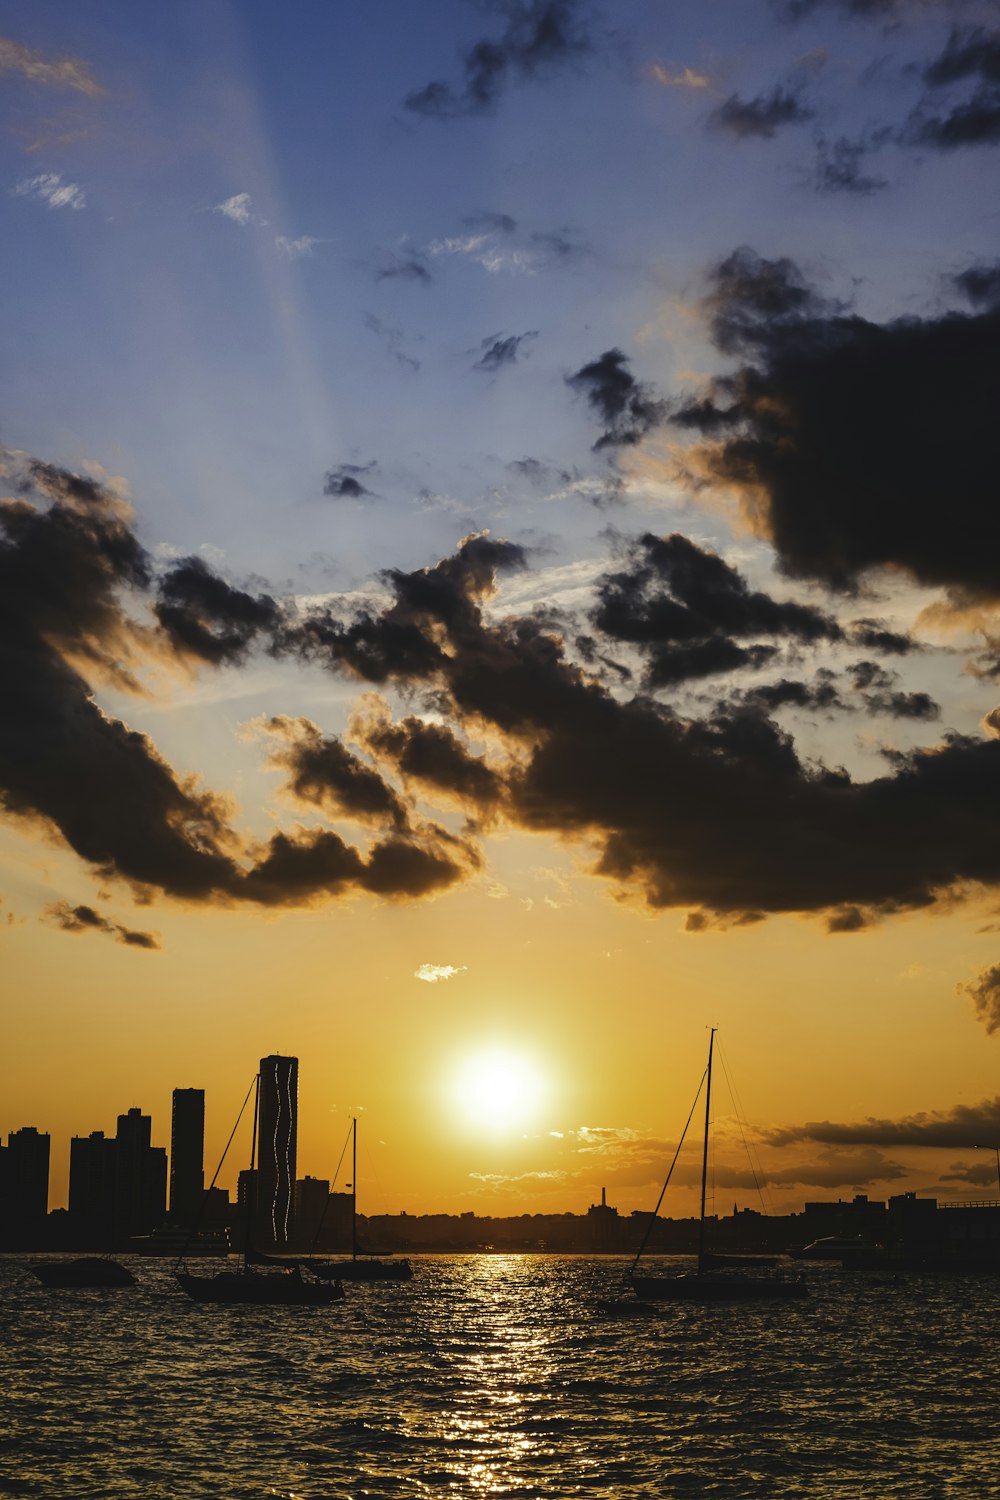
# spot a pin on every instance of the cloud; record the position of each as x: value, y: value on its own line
x: 985, y: 994
x: 295, y: 249
x: 541, y: 37
x: 795, y: 10
x: 409, y: 267
x: 495, y: 242
x: 499, y: 351
x: 684, y: 78
x: 682, y: 606
x: 839, y: 168
x: 628, y: 407
x: 761, y: 116
x: 323, y: 773
x: 52, y: 72
x: 717, y: 814
x: 841, y: 437
x: 207, y: 619
x: 964, y: 1125
x: 86, y: 919
x: 50, y: 188
x: 66, y: 574
x: 435, y: 973
x: 970, y: 54
x: 239, y: 209
x: 432, y: 755
x: 344, y: 482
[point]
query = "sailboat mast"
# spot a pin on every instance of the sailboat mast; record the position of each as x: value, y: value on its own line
x: 704, y: 1151
x: 354, y: 1188
x: 250, y: 1206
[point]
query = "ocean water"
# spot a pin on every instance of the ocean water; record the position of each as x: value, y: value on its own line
x: 499, y: 1375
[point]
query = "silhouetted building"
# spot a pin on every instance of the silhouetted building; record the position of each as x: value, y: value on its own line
x: 92, y: 1161
x: 603, y: 1224
x: 24, y: 1183
x: 140, y: 1178
x: 187, y: 1156
x: 277, y: 1132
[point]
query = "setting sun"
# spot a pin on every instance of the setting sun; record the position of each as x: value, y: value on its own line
x: 498, y: 1089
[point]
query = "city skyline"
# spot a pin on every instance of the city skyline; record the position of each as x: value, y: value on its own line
x: 498, y: 573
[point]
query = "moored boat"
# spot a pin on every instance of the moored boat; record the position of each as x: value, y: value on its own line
x: 715, y: 1278
x: 90, y: 1270
x: 364, y: 1265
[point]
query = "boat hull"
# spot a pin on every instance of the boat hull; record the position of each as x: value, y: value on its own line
x: 708, y: 1287
x: 364, y: 1270
x: 239, y: 1288
x: 86, y: 1272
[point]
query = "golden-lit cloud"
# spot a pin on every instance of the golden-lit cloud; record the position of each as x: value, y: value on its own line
x: 680, y: 78
x: 52, y: 72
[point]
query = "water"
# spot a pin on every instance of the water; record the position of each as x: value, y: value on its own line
x: 501, y: 1376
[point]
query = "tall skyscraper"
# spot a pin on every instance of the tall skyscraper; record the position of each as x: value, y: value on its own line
x: 24, y: 1183
x: 140, y: 1178
x: 277, y: 1131
x: 92, y: 1161
x: 187, y: 1156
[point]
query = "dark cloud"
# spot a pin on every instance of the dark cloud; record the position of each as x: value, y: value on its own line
x: 64, y: 572
x: 541, y: 36
x: 855, y: 445
x: 965, y: 1125
x: 970, y: 53
x: 115, y: 801
x: 840, y: 168
x: 345, y: 483
x: 715, y: 814
x: 875, y: 635
x: 981, y: 285
x: 985, y: 993
x: 887, y: 10
x: 315, y: 865
x: 819, y: 695
x: 410, y: 267
x: 86, y: 919
x: 499, y: 351
x: 974, y: 123
x: 433, y: 755
x: 683, y: 606
x: 718, y: 815
x: 204, y: 617
x: 627, y: 406
x: 491, y: 223
x: 979, y: 1174
x: 324, y: 773
x: 761, y: 116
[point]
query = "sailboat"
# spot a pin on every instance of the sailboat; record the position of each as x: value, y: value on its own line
x: 364, y: 1265
x: 277, y: 1286
x: 715, y: 1279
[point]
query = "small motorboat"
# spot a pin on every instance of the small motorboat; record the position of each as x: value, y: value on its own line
x: 88, y: 1271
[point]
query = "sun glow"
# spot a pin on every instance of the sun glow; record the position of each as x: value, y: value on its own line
x: 498, y: 1089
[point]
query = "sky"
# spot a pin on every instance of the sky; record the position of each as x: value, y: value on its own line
x: 498, y: 575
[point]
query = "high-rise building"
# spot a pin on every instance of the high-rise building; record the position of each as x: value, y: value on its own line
x: 140, y: 1178
x: 92, y: 1161
x: 277, y: 1131
x: 187, y: 1156
x: 24, y: 1183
